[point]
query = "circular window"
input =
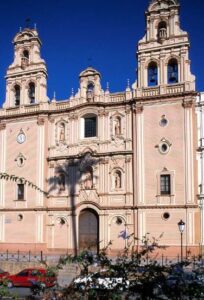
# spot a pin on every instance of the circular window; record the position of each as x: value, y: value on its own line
x: 61, y: 221
x: 166, y: 216
x: 163, y: 122
x: 20, y: 161
x: 20, y: 217
x: 164, y: 148
x: 119, y: 221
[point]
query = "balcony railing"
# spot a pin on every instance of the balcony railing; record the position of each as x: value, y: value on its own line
x: 161, y: 90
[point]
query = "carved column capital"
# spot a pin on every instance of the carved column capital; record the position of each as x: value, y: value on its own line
x: 40, y: 121
x: 2, y: 126
x: 188, y: 103
x: 104, y: 161
x: 138, y: 109
x: 51, y: 119
x: 102, y: 112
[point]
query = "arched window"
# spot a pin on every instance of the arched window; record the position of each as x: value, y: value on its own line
x: 31, y: 92
x: 26, y: 54
x: 152, y: 74
x: 162, y: 31
x: 90, y: 126
x: 25, y: 59
x: 90, y: 91
x: 88, y: 178
x: 117, y: 180
x: 172, y: 71
x: 61, y: 181
x: 17, y: 93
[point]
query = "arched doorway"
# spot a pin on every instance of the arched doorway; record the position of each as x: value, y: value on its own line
x: 88, y: 230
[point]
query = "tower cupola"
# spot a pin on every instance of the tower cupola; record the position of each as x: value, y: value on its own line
x: 90, y: 85
x: 163, y: 53
x: 26, y: 77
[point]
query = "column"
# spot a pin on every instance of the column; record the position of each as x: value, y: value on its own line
x: 39, y: 228
x: 201, y: 183
x: 139, y: 156
x: 189, y: 155
x: 2, y: 162
x: 41, y: 160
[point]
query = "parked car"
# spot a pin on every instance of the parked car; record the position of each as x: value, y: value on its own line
x: 30, y: 277
x: 184, y: 278
x: 3, y: 275
x: 101, y: 280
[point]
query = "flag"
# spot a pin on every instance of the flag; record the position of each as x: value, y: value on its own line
x: 123, y: 234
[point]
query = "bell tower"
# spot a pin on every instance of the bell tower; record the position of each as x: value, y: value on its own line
x: 163, y: 53
x: 26, y: 77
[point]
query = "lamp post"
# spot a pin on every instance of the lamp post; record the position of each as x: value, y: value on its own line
x: 181, y: 226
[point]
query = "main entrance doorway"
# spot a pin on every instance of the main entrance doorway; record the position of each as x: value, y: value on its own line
x: 88, y: 231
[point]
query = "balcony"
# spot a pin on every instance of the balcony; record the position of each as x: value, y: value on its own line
x: 163, y: 90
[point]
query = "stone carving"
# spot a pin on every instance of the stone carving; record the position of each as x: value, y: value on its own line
x: 61, y: 132
x: 61, y: 182
x: 88, y: 178
x: 117, y: 176
x: 117, y: 126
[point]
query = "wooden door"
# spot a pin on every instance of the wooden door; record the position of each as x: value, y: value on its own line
x: 88, y: 231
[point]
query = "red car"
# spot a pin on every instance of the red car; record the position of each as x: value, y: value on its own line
x: 3, y: 275
x: 31, y: 276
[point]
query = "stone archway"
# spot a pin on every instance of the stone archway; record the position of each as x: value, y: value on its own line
x: 88, y: 230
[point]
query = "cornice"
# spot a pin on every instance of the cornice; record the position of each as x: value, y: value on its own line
x: 106, y: 208
x: 79, y: 156
x: 50, y: 111
x: 163, y: 97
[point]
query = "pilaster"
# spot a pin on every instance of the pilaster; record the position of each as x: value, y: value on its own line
x: 188, y: 144
x: 2, y: 161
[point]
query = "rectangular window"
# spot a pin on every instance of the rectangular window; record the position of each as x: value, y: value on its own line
x: 20, y: 191
x: 165, y: 184
x: 90, y: 127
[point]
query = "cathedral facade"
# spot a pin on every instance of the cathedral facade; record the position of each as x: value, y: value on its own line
x: 113, y: 165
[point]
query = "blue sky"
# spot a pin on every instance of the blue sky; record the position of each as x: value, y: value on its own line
x: 104, y: 34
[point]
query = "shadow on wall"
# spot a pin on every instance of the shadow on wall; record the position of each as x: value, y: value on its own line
x: 73, y: 176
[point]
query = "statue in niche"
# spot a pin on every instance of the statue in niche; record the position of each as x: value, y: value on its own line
x: 61, y: 182
x: 88, y: 179
x: 61, y: 132
x: 117, y: 126
x: 117, y: 180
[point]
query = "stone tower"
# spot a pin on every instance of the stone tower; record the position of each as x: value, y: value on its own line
x: 165, y: 127
x: 26, y: 77
x: 163, y: 53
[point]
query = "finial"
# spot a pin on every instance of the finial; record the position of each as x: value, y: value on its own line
x: 128, y: 89
x: 54, y: 97
x: 72, y: 92
x: 107, y: 88
x: 20, y: 29
x: 128, y: 83
x: 35, y: 26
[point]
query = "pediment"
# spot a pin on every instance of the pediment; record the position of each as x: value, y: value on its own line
x: 156, y: 5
